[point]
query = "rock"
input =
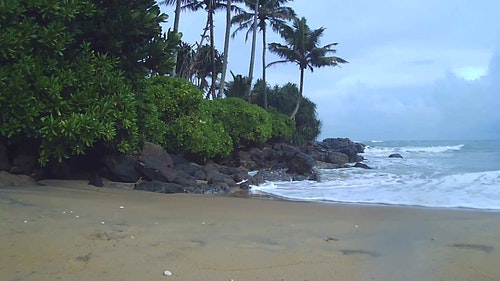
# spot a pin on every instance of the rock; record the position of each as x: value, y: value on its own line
x: 325, y: 165
x: 10, y: 180
x: 334, y: 157
x: 155, y: 163
x: 395, y: 155
x: 23, y: 163
x: 121, y: 168
x: 300, y: 163
x: 160, y: 187
x: 4, y: 157
x: 96, y: 180
x: 361, y: 165
x: 343, y: 145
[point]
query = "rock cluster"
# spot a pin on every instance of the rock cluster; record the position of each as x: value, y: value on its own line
x: 154, y: 169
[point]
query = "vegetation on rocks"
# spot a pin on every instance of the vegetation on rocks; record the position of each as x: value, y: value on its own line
x: 81, y: 74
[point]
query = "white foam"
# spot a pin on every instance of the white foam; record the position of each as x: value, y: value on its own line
x: 468, y: 190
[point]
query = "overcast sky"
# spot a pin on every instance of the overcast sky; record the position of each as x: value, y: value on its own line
x: 418, y: 69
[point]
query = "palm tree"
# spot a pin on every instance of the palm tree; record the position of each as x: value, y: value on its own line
x: 229, y: 9
x: 211, y: 6
x: 178, y: 5
x: 265, y: 12
x: 302, y: 48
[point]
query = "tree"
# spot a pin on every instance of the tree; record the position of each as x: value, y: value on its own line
x: 237, y: 88
x: 302, y: 48
x: 131, y: 32
x: 177, y: 17
x: 265, y: 12
x: 284, y: 98
x: 211, y: 6
x: 227, y: 34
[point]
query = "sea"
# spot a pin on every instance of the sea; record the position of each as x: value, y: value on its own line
x: 436, y: 174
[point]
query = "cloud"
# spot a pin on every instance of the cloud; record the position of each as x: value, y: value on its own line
x: 451, y: 108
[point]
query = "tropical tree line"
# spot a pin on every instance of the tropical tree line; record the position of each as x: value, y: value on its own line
x: 301, y: 45
x: 78, y: 76
x: 81, y: 74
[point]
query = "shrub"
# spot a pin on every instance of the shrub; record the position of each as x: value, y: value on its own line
x: 246, y: 123
x: 66, y: 100
x: 283, y: 126
x: 174, y: 114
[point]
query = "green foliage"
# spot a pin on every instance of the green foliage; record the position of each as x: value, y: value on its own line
x: 246, y: 123
x: 174, y: 114
x: 284, y: 98
x: 66, y: 100
x: 237, y: 88
x: 283, y: 126
x: 131, y: 32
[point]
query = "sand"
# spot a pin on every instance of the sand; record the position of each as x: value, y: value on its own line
x: 72, y: 231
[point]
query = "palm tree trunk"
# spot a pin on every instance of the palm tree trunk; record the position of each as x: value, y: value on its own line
x: 226, y: 49
x: 264, y: 48
x: 176, y: 27
x: 177, y: 15
x: 212, y: 49
x: 252, y: 55
x: 299, y: 99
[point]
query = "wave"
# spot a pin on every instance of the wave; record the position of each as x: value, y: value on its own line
x: 414, y: 149
x: 478, y: 190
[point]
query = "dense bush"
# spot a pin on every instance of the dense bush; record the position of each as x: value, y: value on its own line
x: 246, y: 123
x: 283, y: 126
x: 175, y: 115
x: 284, y: 99
x: 65, y: 100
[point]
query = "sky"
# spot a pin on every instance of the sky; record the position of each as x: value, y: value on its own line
x: 418, y: 69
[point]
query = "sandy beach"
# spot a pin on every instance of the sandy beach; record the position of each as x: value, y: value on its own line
x: 72, y: 231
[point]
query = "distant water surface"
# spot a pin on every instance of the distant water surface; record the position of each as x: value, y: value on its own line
x: 449, y: 174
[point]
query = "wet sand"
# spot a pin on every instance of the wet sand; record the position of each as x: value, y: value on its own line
x: 72, y: 231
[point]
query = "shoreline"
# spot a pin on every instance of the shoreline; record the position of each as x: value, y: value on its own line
x: 122, y: 234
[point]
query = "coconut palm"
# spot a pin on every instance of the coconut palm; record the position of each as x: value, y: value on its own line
x: 210, y: 6
x: 302, y: 48
x: 264, y: 13
x: 229, y: 9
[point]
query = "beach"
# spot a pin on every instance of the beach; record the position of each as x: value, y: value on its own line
x: 68, y: 230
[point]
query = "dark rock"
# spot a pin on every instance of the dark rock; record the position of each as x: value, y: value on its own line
x: 68, y: 169
x: 160, y: 187
x: 273, y: 175
x: 23, y: 163
x: 217, y: 178
x: 300, y: 163
x: 395, y: 155
x: 4, y: 157
x: 256, y: 155
x: 325, y: 165
x: 155, y: 163
x: 269, y: 154
x: 11, y: 180
x: 361, y: 165
x: 334, y: 157
x: 121, y: 168
x: 96, y: 180
x: 343, y: 145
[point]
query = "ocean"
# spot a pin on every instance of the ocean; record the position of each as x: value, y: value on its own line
x: 439, y: 174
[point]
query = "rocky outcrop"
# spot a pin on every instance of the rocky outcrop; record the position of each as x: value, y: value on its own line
x: 336, y: 150
x: 154, y: 169
x: 395, y: 155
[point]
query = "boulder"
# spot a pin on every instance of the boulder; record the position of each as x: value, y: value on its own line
x: 300, y: 163
x: 4, y: 157
x: 395, y: 155
x: 121, y: 168
x: 334, y: 157
x: 155, y: 163
x: 160, y: 187
x: 361, y: 165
